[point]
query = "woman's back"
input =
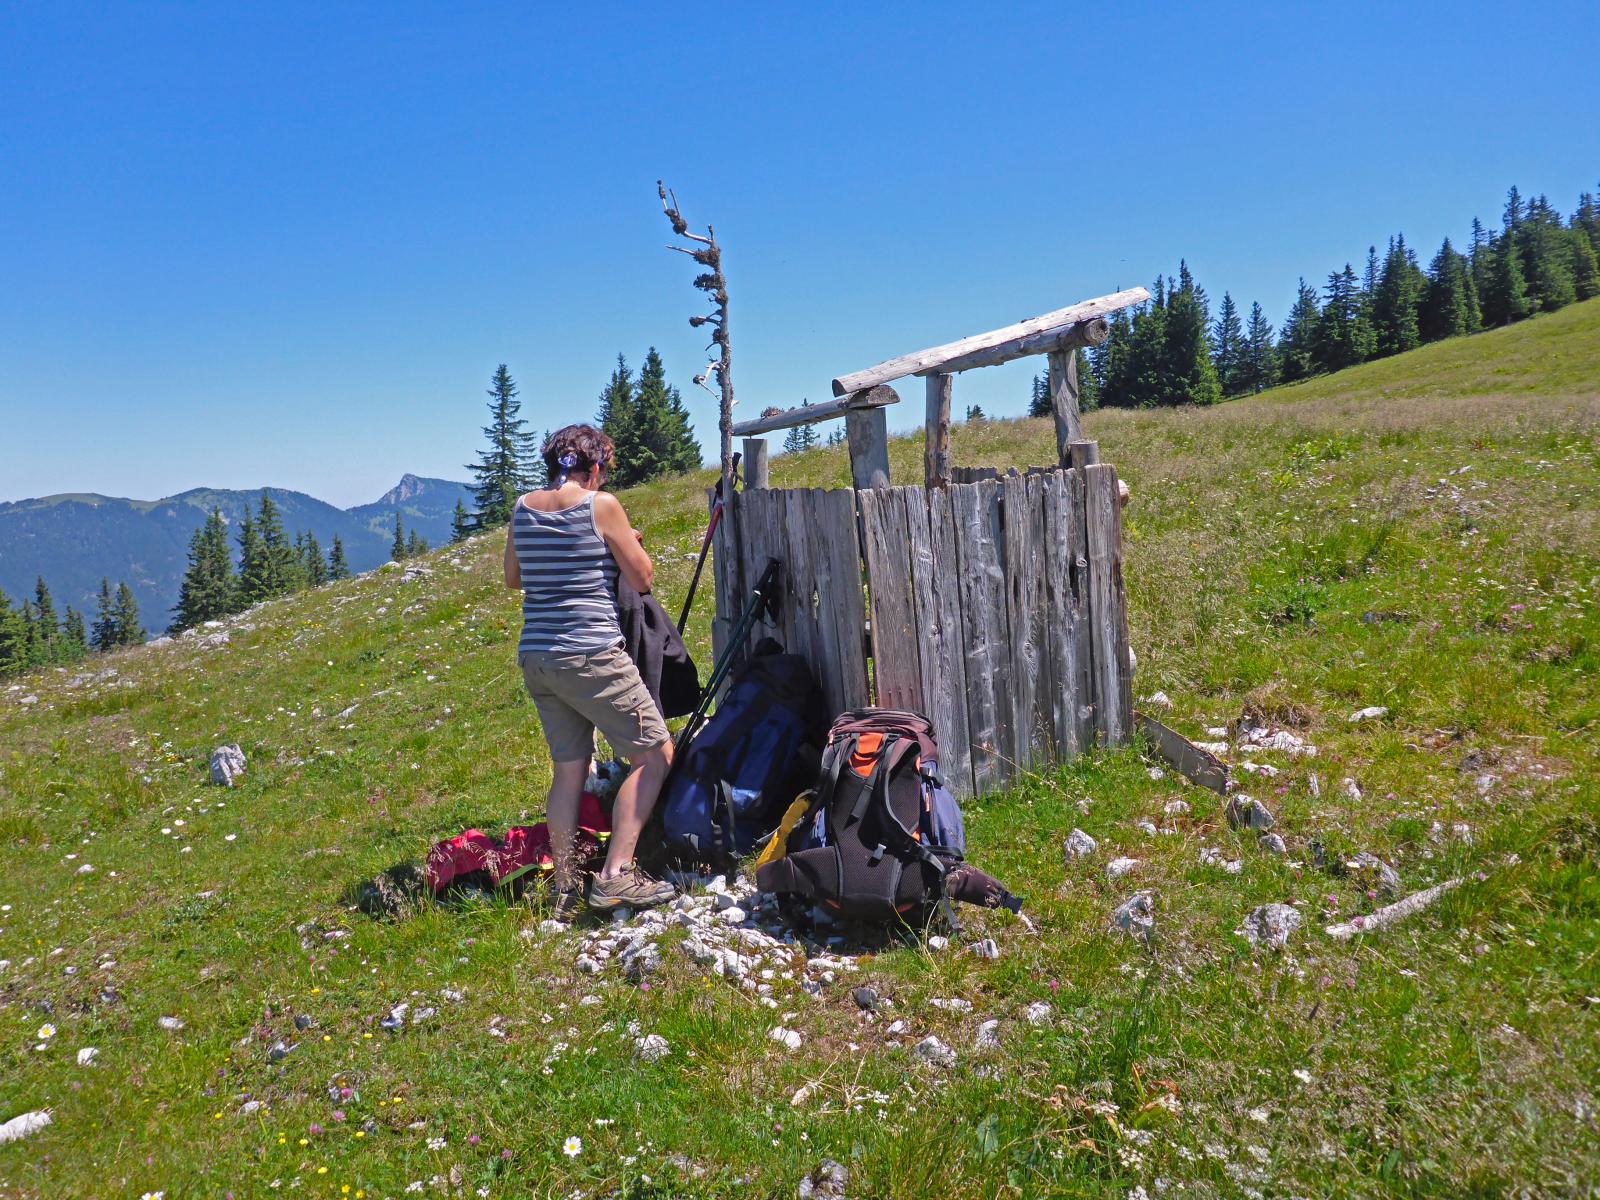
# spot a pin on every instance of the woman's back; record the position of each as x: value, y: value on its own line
x: 568, y: 577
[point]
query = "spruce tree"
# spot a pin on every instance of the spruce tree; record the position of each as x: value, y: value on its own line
x: 416, y: 544
x: 1189, y: 376
x: 1586, y: 220
x: 1113, y: 362
x: 665, y: 441
x: 397, y: 548
x: 1147, y: 351
x: 1297, y: 341
x: 105, y: 620
x: 338, y: 567
x: 1344, y: 333
x: 313, y: 567
x: 1088, y: 385
x: 835, y: 437
x: 1039, y: 402
x: 504, y: 469
x: 1450, y: 302
x: 37, y: 651
x: 1504, y: 295
x: 1394, y: 305
x: 75, y: 640
x: 208, y: 587
x: 1546, y: 258
x: 1585, y: 265
x: 280, y: 565
x: 1259, y: 369
x: 125, y: 618
x: 13, y: 639
x: 460, y: 523
x: 1228, y: 348
x: 975, y: 414
x: 252, y: 565
x: 800, y: 437
x: 49, y: 631
x: 618, y: 420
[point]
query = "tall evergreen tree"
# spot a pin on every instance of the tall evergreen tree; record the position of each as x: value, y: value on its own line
x: 1394, y: 304
x: 1259, y: 366
x: 1344, y: 333
x: 1039, y: 402
x: 800, y: 437
x: 1297, y: 341
x: 618, y: 420
x: 1450, y: 302
x: 277, y: 565
x: 461, y: 523
x: 1147, y: 351
x: 416, y: 544
x: 1088, y: 384
x: 504, y: 469
x: 666, y: 444
x: 1586, y: 220
x: 1189, y: 376
x: 1113, y: 362
x: 49, y: 630
x: 1504, y: 295
x: 1228, y: 348
x: 975, y: 414
x: 313, y: 567
x: 1546, y: 258
x: 125, y: 617
x: 207, y: 592
x: 338, y: 566
x: 1585, y: 265
x: 13, y: 639
x: 251, y: 584
x: 397, y: 548
x: 75, y: 641
x: 105, y: 619
x: 38, y: 653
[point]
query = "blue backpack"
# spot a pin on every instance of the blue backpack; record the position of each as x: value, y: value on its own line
x: 759, y: 750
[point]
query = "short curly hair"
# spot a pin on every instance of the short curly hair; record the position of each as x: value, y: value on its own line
x: 583, y: 446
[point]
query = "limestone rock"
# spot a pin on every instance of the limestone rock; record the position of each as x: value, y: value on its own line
x: 1243, y: 812
x: 827, y: 1182
x: 1135, y: 916
x: 789, y: 1039
x: 1370, y: 713
x: 652, y: 1047
x: 227, y: 764
x: 935, y: 1053
x: 1079, y: 845
x: 1272, y: 843
x: 1037, y: 1013
x: 1270, y: 926
x: 1118, y: 867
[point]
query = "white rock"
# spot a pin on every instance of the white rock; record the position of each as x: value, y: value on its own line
x: 248, y: 1107
x: 938, y: 942
x: 1217, y: 749
x: 1270, y: 926
x: 26, y: 1125
x: 1079, y: 845
x: 227, y: 764
x: 1037, y: 1013
x: 895, y: 1028
x: 1118, y: 867
x: 801, y: 1095
x: 1158, y: 700
x: 1370, y: 713
x: 589, y: 966
x: 1175, y: 808
x: 988, y: 1035
x: 1155, y: 773
x: 1210, y: 856
x: 87, y: 1055
x: 732, y: 915
x: 1243, y: 812
x: 172, y: 1024
x: 1136, y: 915
x: 952, y: 1005
x: 1148, y: 828
x: 985, y: 949
x: 1351, y: 789
x: 788, y: 1038
x: 935, y: 1053
x: 651, y: 1048
x: 551, y: 925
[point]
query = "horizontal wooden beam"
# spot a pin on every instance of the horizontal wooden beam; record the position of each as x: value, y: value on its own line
x: 938, y: 358
x: 810, y: 414
x: 1073, y: 337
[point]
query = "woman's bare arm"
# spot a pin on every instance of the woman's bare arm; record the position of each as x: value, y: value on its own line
x: 612, y: 524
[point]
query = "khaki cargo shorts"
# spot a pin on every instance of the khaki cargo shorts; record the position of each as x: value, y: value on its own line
x: 579, y: 693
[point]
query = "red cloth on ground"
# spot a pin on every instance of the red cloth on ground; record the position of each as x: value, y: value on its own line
x: 522, y: 846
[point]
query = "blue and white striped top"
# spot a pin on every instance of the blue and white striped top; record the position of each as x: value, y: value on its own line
x: 568, y: 581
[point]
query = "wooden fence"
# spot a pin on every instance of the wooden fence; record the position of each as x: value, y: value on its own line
x: 996, y: 608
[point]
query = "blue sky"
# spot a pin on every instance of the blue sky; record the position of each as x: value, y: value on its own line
x: 283, y: 244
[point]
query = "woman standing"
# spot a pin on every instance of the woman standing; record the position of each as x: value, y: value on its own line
x: 566, y: 545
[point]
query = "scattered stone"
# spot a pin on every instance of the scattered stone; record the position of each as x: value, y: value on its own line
x: 29, y: 699
x: 303, y: 1022
x: 827, y: 1182
x: 249, y: 1107
x: 641, y: 963
x: 1215, y: 749
x: 789, y: 1039
x: 1158, y: 700
x: 589, y: 966
x: 26, y: 1125
x: 985, y: 949
x: 1350, y: 788
x: 550, y: 926
x: 1371, y: 713
x: 1265, y: 770
x: 935, y: 1053
x: 988, y: 1035
x: 1246, y: 813
x: 952, y: 1005
x: 1148, y: 828
x: 1314, y: 782
x: 1118, y: 867
x: 1370, y: 867
x: 1210, y: 856
x: 866, y: 998
x: 938, y: 942
x: 227, y: 764
x: 1270, y: 925
x: 652, y: 1047
x: 1079, y: 845
x: 1267, y: 737
x: 1156, y: 774
x: 1135, y: 916
x: 896, y: 1028
x: 1175, y: 808
x: 801, y: 1095
x: 87, y: 1055
x: 170, y: 1024
x: 1272, y: 843
x: 1037, y: 1013
x: 279, y: 1051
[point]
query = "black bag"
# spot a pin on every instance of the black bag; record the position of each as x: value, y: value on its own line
x: 883, y: 832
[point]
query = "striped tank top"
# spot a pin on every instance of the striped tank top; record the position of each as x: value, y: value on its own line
x: 568, y: 581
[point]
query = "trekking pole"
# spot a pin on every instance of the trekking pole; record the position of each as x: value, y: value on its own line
x: 716, y: 518
x: 765, y: 596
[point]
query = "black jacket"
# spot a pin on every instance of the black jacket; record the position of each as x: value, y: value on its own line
x: 652, y: 641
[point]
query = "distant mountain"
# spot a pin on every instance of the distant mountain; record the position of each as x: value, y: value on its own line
x: 76, y: 538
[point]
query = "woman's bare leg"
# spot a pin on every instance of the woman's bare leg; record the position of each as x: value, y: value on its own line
x: 635, y: 798
x: 561, y: 814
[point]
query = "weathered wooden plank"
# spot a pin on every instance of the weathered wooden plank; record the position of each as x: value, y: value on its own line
x: 988, y: 660
x: 1194, y: 764
x: 828, y: 653
x: 799, y: 581
x: 756, y: 473
x: 1082, y: 629
x: 936, y: 455
x: 810, y: 414
x: 867, y: 431
x: 896, y: 668
x: 973, y: 474
x: 1061, y: 637
x: 1028, y: 610
x: 721, y: 623
x: 1064, y: 402
x: 1069, y: 338
x: 849, y: 608
x: 935, y: 571
x: 1083, y: 454
x: 767, y: 542
x: 1124, y: 650
x: 1108, y: 637
x: 927, y: 360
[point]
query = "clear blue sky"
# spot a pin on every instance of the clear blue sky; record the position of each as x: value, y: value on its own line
x: 287, y: 244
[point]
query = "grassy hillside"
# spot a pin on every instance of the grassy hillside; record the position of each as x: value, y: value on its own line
x: 1417, y: 534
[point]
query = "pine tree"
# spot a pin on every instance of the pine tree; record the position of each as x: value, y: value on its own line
x: 1088, y: 385
x: 280, y: 565
x: 125, y: 618
x: 1297, y: 341
x: 1228, y: 348
x: 1039, y: 401
x: 416, y: 544
x: 1259, y: 366
x: 1190, y: 377
x: 835, y: 437
x: 665, y: 441
x: 1394, y: 304
x: 75, y: 640
x: 252, y: 566
x: 1585, y: 265
x: 1586, y: 220
x: 105, y: 620
x: 397, y: 548
x: 13, y: 639
x: 800, y: 437
x: 1113, y: 362
x: 1147, y: 351
x: 1504, y: 295
x: 460, y: 523
x: 1450, y: 302
x: 975, y: 414
x: 49, y: 631
x: 208, y: 589
x: 313, y: 567
x: 35, y: 635
x: 504, y: 469
x: 1344, y: 333
x: 1546, y: 258
x: 618, y: 420
x: 338, y: 567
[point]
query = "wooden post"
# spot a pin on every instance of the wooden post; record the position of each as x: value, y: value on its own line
x: 936, y: 458
x: 1064, y: 402
x: 1082, y: 454
x: 867, y: 430
x: 755, y: 463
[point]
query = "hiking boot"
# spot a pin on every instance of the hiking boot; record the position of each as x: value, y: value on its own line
x: 630, y: 888
x: 564, y: 906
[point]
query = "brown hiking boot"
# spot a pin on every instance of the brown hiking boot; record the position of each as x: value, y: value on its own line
x: 629, y: 888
